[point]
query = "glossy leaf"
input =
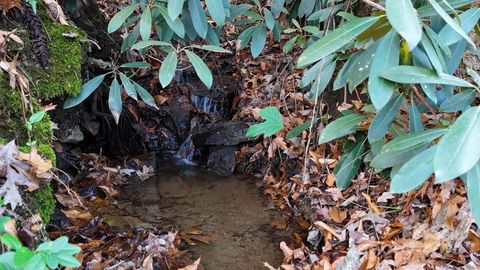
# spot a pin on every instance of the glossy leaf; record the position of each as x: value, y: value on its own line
x: 384, y: 118
x: 167, y: 70
x: 435, y: 57
x: 403, y: 17
x: 412, y: 140
x: 458, y: 151
x: 309, y: 75
x: 457, y: 52
x: 212, y: 48
x: 387, y: 54
x: 450, y: 21
x: 393, y: 158
x: 334, y: 40
x: 202, y: 70
x: 342, y: 126
x: 85, y: 92
x: 360, y: 69
x: 299, y: 129
x: 289, y: 44
x: 272, y: 124
x: 115, y: 100
x: 468, y: 19
x: 269, y: 20
x: 458, y: 102
x: 174, y: 8
x: 349, y: 166
x: 413, y: 75
x: 428, y: 10
x: 323, y: 14
x: 147, y: 43
x: 238, y: 10
x: 259, y: 37
x: 198, y: 17
x: 414, y: 172
x: 145, y: 95
x: 176, y: 25
x: 117, y: 21
x: 146, y: 23
x: 322, y: 81
x: 216, y: 10
x: 128, y: 86
x: 136, y: 65
x: 473, y: 191
x: 415, y: 119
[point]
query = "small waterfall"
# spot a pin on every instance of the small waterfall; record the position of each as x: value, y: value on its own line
x: 186, y: 151
x: 206, y: 104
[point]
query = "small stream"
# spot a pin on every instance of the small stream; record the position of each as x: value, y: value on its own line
x: 230, y: 210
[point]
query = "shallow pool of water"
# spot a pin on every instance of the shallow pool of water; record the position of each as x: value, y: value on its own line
x: 230, y: 210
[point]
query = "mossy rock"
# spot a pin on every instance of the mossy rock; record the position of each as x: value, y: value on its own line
x: 44, y: 203
x: 66, y: 54
x: 62, y: 78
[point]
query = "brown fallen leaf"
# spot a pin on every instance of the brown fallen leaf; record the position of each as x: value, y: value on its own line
x: 39, y: 164
x: 193, y: 266
x: 78, y: 218
x: 68, y: 201
x: 6, y: 5
x: 337, y: 215
x: 55, y: 11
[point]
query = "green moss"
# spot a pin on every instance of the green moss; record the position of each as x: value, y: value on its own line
x: 63, y: 77
x: 44, y: 203
x: 47, y: 152
x: 12, y: 125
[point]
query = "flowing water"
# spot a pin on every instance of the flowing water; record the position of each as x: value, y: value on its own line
x: 228, y: 212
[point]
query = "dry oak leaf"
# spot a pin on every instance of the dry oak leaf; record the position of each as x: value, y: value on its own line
x: 40, y: 165
x: 6, y: 5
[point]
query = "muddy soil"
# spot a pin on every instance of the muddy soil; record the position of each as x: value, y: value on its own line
x: 231, y: 210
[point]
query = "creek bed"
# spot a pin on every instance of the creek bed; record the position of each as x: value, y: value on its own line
x: 231, y: 210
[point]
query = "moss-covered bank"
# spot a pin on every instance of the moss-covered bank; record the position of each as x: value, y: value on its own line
x: 62, y: 78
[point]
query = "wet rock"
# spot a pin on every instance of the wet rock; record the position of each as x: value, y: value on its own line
x: 222, y: 160
x: 179, y: 112
x: 162, y: 140
x: 70, y: 135
x: 226, y: 133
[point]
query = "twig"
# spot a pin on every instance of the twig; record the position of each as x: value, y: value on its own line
x: 322, y: 225
x: 373, y: 4
x: 417, y: 93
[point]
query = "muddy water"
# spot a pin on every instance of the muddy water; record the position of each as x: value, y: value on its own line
x: 230, y: 210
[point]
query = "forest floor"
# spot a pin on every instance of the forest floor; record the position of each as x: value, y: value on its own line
x: 362, y: 227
